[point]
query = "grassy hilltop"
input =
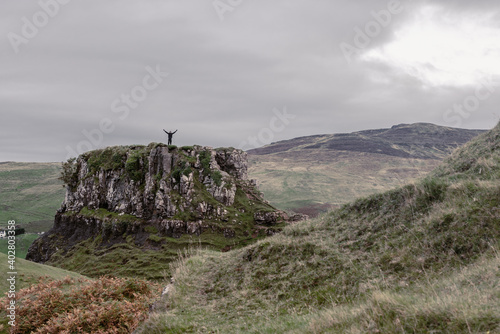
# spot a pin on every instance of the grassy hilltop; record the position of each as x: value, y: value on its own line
x: 417, y: 259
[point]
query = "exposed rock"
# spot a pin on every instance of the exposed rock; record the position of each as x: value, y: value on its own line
x: 115, y: 191
x: 269, y: 218
x: 144, y: 194
x: 297, y: 217
x: 233, y: 163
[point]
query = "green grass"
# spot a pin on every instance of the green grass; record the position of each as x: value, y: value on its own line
x: 465, y: 302
x: 110, y: 158
x: 23, y: 242
x: 420, y: 258
x: 150, y: 259
x: 417, y: 259
x: 123, y: 260
x: 30, y: 194
x: 29, y: 273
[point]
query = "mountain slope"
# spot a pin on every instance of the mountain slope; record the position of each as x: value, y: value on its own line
x: 420, y: 258
x: 311, y: 174
x: 417, y: 141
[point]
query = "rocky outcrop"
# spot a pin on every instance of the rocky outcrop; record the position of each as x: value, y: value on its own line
x: 157, y: 182
x: 145, y: 194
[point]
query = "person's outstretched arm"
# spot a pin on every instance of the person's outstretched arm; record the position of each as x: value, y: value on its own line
x: 175, y: 131
x: 165, y: 131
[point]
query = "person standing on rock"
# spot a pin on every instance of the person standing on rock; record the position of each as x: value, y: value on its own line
x: 170, y: 135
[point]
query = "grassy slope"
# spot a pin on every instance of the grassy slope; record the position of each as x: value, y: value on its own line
x: 30, y: 272
x: 23, y: 242
x: 420, y: 258
x: 30, y: 193
x: 312, y: 181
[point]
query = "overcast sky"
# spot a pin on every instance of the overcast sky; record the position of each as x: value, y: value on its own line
x: 85, y: 74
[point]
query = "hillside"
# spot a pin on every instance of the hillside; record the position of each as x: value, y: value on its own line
x: 30, y: 273
x: 129, y: 210
x: 312, y: 174
x: 30, y: 193
x: 414, y: 141
x: 420, y: 258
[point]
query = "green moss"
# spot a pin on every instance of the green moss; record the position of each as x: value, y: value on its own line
x: 205, y: 158
x: 243, y: 203
x: 187, y: 171
x: 158, y: 177
x: 111, y: 158
x: 130, y: 239
x: 69, y: 174
x: 152, y: 146
x: 217, y: 177
x: 182, y: 168
x: 137, y: 165
x: 185, y: 216
x: 155, y: 238
x: 151, y: 229
x: 106, y: 215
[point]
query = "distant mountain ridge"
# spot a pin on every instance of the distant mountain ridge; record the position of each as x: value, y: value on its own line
x: 315, y: 173
x: 418, y: 140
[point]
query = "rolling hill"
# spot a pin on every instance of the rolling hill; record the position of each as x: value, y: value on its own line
x: 312, y: 174
x: 30, y: 194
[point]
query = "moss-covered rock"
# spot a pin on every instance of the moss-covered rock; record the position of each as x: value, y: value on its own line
x: 145, y: 197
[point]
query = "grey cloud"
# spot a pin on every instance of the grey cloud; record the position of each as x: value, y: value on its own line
x: 225, y: 77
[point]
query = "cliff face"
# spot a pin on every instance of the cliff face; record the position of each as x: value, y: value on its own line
x: 142, y: 196
x: 159, y: 183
